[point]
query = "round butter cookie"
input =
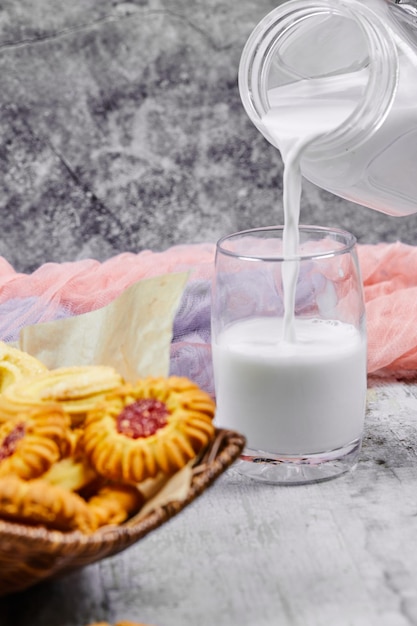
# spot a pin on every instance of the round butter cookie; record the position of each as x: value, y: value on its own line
x: 16, y: 364
x: 35, y: 502
x: 154, y: 425
x: 76, y: 389
x: 30, y: 445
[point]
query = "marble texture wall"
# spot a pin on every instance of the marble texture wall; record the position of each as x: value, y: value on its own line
x: 122, y: 129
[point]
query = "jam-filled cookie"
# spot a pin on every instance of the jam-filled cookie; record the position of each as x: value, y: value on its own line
x: 76, y: 389
x: 32, y: 443
x: 154, y: 425
x: 35, y: 502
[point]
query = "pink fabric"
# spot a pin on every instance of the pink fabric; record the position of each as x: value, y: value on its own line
x: 86, y: 285
x: 389, y: 274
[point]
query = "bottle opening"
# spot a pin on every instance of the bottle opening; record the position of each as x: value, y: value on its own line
x: 309, y: 59
x: 317, y: 46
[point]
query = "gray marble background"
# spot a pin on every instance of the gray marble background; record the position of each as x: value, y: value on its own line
x: 122, y: 129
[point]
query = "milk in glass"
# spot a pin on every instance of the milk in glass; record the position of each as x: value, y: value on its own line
x: 295, y: 398
x: 294, y: 386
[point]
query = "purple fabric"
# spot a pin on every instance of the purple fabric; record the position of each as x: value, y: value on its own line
x: 191, y: 347
x: 25, y: 312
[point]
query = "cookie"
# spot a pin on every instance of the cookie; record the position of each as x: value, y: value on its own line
x: 16, y: 364
x: 155, y: 425
x: 71, y: 473
x: 76, y: 389
x: 113, y: 504
x: 35, y: 502
x: 30, y: 445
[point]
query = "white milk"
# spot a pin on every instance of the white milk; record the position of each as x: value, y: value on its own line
x: 299, y: 114
x: 301, y: 398
x: 294, y: 386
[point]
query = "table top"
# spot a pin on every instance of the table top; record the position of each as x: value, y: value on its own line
x: 339, y: 552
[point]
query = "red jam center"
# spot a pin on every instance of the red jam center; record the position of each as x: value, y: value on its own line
x: 9, y: 443
x: 142, y: 418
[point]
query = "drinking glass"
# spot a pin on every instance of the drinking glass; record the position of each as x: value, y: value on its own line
x: 289, y: 352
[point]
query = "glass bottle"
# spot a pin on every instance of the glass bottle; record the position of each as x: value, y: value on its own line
x: 313, y: 54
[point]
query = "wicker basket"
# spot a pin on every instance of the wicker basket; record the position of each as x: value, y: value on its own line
x: 30, y: 555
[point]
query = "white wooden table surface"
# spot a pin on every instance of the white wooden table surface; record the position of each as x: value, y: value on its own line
x: 343, y: 552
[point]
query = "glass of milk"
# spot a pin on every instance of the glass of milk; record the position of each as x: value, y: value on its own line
x: 289, y: 352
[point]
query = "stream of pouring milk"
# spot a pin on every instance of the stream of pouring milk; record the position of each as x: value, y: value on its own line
x: 297, y: 117
x: 304, y: 394
x: 299, y: 114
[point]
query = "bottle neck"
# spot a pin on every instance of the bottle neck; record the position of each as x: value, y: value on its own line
x: 303, y: 40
